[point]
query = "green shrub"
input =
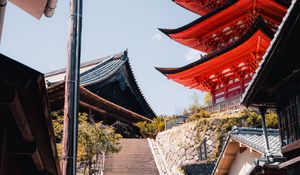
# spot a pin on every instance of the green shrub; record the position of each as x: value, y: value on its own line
x: 271, y: 120
x: 199, y: 115
x: 151, y: 129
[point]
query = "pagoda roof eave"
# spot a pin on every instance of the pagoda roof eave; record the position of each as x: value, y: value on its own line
x: 257, y: 93
x: 194, y: 11
x: 258, y: 25
x: 169, y: 32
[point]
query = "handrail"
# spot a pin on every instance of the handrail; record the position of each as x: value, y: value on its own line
x: 228, y: 104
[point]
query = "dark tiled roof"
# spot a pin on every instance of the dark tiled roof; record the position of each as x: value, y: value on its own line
x: 82, y: 65
x: 254, y: 138
x: 102, y: 71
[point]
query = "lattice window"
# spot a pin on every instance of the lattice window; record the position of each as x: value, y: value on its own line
x: 289, y: 113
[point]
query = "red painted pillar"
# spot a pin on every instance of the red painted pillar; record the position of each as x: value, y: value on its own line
x: 225, y: 91
x: 242, y: 81
x: 213, y: 96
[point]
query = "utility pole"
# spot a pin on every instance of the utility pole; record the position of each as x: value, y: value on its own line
x: 69, y: 142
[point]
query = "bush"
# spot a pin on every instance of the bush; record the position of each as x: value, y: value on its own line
x: 254, y: 119
x: 94, y: 139
x: 151, y: 129
x: 272, y: 120
x: 199, y: 115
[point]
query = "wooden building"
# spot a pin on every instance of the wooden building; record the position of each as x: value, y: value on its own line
x: 234, y: 35
x: 112, y: 79
x: 101, y: 109
x: 108, y: 92
x: 27, y: 142
x: 243, y: 147
x: 276, y: 84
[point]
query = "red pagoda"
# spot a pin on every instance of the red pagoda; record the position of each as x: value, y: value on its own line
x: 234, y: 34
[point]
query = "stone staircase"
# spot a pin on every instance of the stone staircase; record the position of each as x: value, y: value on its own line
x: 135, y: 158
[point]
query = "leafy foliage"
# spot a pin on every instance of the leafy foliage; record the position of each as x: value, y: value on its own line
x: 58, y: 124
x: 272, y: 120
x: 207, y: 99
x: 94, y: 139
x: 254, y: 119
x: 151, y: 129
x: 199, y: 115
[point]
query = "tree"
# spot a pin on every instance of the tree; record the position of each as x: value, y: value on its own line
x: 94, y: 141
x: 151, y: 129
x: 207, y: 99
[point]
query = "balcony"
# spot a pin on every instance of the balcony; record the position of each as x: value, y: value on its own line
x: 229, y: 104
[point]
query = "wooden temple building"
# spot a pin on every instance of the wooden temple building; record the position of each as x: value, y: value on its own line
x: 276, y: 84
x: 234, y: 35
x: 108, y: 91
x: 27, y: 141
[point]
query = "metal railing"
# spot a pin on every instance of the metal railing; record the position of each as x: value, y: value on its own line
x: 229, y: 104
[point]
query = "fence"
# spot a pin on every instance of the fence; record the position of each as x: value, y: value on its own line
x: 229, y: 104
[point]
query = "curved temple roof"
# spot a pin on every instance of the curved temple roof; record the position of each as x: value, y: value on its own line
x: 110, y: 78
x: 215, y: 62
x: 278, y: 64
x: 200, y: 7
x: 250, y: 138
x: 202, y: 34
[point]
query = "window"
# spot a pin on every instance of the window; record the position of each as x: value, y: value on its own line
x: 288, y: 101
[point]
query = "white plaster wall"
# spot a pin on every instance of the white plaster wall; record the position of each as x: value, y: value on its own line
x: 243, y: 162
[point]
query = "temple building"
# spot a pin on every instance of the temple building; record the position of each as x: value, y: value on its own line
x: 99, y: 109
x: 234, y: 35
x: 108, y: 92
x: 110, y: 78
x: 276, y: 84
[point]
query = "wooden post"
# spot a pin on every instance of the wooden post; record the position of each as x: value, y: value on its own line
x: 262, y: 111
x: 69, y: 142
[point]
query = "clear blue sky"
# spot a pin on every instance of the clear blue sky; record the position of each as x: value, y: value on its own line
x: 109, y: 27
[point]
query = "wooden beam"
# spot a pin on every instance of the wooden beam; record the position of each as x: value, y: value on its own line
x: 243, y: 149
x: 93, y: 101
x: 228, y: 155
x: 290, y: 147
x: 109, y: 105
x: 20, y: 118
x: 104, y: 113
x: 289, y: 162
x: 7, y: 93
x: 38, y: 161
x: 24, y: 148
x: 222, y: 171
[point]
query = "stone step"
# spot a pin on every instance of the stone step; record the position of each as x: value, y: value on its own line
x: 135, y: 158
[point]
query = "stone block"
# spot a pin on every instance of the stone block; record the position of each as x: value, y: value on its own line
x: 209, y: 142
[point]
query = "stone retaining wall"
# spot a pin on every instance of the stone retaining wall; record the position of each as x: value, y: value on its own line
x: 181, y: 145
